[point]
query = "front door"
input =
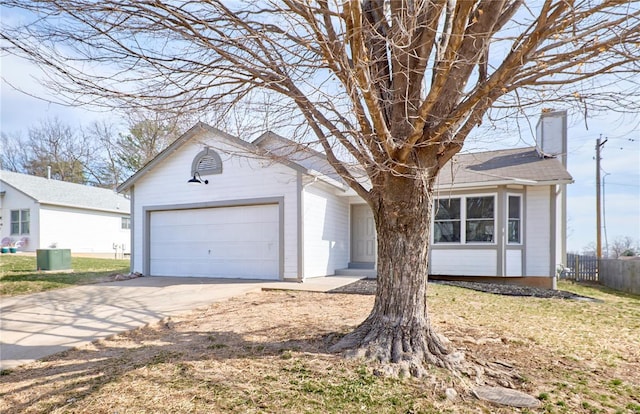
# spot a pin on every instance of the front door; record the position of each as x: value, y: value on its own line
x: 363, y: 234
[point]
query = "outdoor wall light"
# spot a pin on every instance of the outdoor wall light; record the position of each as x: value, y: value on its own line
x: 197, y: 179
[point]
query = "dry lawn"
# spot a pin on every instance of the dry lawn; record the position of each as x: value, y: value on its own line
x: 267, y: 352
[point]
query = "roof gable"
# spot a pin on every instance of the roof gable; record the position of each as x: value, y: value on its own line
x: 62, y: 193
x: 200, y: 128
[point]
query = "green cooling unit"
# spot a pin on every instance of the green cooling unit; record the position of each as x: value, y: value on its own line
x: 53, y: 259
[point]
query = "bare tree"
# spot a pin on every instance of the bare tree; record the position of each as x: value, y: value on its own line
x: 623, y: 246
x: 396, y: 86
x: 105, y: 169
x: 97, y: 155
x: 13, y: 153
x: 589, y: 249
x: 51, y: 144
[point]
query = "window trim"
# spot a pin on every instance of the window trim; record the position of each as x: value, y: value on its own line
x: 124, y: 220
x: 463, y: 220
x: 482, y: 219
x: 458, y: 220
x: 520, y: 220
x: 20, y: 222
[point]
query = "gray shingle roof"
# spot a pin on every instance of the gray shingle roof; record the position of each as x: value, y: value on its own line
x: 512, y: 166
x: 49, y: 191
x: 518, y: 166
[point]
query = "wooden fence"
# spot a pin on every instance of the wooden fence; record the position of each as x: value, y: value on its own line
x: 623, y: 275
x: 581, y: 268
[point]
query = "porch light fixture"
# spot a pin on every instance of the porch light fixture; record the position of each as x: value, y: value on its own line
x: 197, y: 179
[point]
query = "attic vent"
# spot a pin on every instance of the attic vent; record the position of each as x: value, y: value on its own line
x: 207, y: 162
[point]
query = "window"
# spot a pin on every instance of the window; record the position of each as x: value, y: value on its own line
x: 126, y: 223
x: 473, y: 217
x: 20, y: 222
x: 15, y: 221
x: 447, y: 221
x: 480, y: 223
x: 514, y: 225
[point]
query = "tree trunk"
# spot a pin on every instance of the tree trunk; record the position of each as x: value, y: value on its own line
x: 398, y: 332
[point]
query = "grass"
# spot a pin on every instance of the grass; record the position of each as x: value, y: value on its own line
x: 18, y: 274
x: 267, y: 352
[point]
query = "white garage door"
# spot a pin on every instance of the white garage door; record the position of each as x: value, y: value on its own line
x: 225, y: 242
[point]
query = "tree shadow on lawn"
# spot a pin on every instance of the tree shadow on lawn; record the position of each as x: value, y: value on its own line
x: 73, y: 375
x: 234, y: 351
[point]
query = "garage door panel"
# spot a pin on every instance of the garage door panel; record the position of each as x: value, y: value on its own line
x: 230, y: 242
x: 219, y: 268
x: 215, y: 250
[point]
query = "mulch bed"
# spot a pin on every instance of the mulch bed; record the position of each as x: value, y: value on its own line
x: 368, y: 287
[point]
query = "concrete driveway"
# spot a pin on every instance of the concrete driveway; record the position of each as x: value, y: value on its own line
x: 42, y: 324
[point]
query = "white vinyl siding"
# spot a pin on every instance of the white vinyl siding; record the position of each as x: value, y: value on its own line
x: 560, y: 229
x: 464, y: 262
x: 82, y: 231
x: 326, y: 231
x: 243, y: 178
x: 537, y: 235
x: 513, y: 263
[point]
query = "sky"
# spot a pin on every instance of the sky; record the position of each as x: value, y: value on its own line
x: 620, y: 156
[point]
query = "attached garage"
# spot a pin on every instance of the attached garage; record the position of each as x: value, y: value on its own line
x: 218, y: 242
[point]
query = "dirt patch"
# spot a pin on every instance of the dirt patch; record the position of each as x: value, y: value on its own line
x: 267, y: 352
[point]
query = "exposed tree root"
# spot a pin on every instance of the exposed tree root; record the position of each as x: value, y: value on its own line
x: 401, y: 350
x: 414, y: 349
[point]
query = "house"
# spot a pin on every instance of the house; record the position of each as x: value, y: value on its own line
x: 40, y: 213
x: 213, y: 205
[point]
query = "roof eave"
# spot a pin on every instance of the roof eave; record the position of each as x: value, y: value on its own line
x: 326, y: 179
x: 521, y: 181
x: 21, y: 191
x: 80, y: 207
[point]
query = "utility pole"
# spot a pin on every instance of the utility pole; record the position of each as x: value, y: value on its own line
x: 599, y: 146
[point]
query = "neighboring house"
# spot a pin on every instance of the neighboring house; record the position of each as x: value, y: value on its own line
x: 41, y: 213
x: 258, y: 210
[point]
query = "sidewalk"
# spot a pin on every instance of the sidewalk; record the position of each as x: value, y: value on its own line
x: 42, y: 324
